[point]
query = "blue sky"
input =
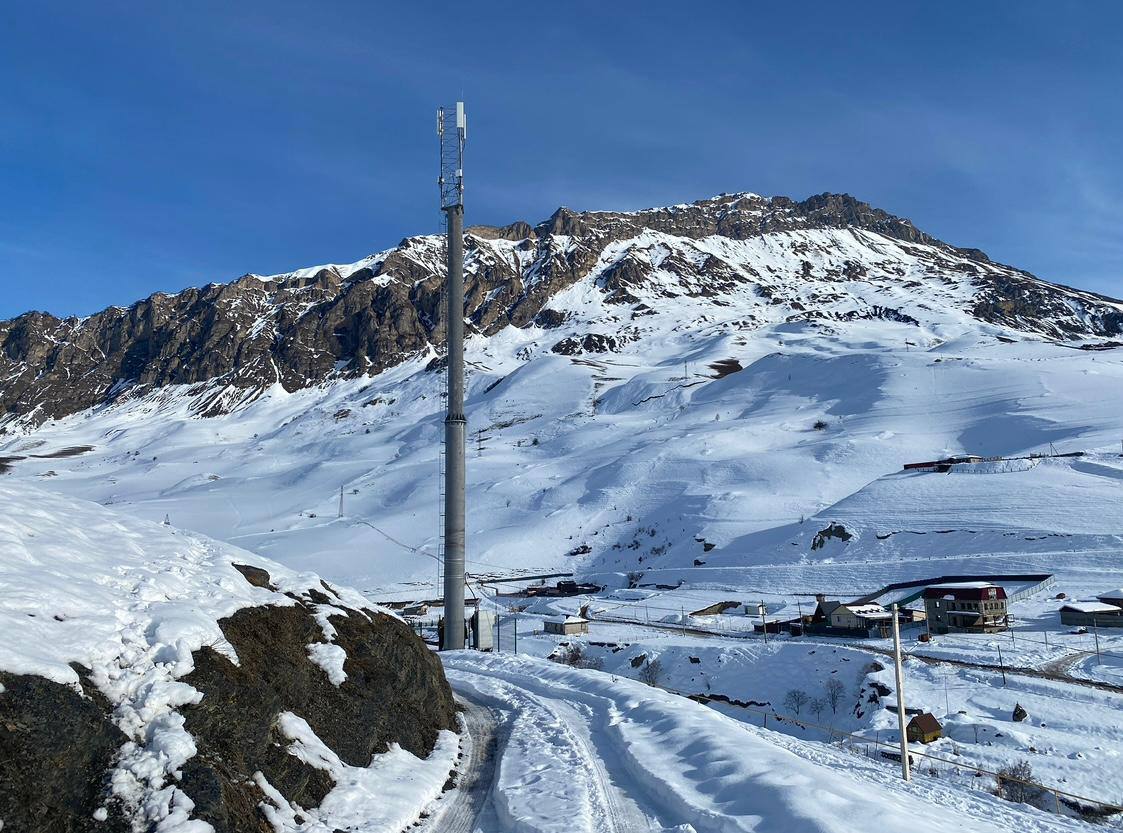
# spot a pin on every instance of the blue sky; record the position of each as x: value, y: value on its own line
x: 153, y: 146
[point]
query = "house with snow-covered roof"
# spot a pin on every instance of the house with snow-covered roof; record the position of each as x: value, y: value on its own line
x: 966, y: 607
x: 853, y: 619
x: 1112, y: 597
x: 1099, y: 614
x: 566, y: 625
x: 860, y: 616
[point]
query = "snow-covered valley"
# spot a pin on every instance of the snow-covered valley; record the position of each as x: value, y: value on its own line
x: 694, y: 418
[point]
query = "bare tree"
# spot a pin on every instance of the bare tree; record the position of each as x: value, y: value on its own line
x: 817, y: 706
x: 834, y: 690
x: 795, y: 700
x: 651, y: 672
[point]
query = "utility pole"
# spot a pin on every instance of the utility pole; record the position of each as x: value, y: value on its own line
x: 905, y: 773
x: 1001, y: 666
x: 1096, y: 634
x: 451, y: 184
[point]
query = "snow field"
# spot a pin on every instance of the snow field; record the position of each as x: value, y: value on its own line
x: 681, y: 763
x: 641, y: 459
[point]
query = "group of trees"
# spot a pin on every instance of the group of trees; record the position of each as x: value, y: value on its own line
x: 833, y: 690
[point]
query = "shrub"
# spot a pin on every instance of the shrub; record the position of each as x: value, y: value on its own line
x: 574, y: 656
x: 651, y: 672
x: 1014, y: 783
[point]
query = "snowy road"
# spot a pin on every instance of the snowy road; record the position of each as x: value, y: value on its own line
x: 567, y: 784
x: 582, y: 751
x: 468, y: 808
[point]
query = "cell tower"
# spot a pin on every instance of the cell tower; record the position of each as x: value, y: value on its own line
x: 451, y: 183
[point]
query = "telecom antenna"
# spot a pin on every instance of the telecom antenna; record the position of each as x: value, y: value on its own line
x: 451, y: 184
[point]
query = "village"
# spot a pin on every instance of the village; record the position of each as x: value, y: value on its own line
x: 1006, y: 675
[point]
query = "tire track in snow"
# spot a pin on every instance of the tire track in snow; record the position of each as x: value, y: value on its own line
x: 621, y: 812
x: 462, y: 810
x: 570, y: 728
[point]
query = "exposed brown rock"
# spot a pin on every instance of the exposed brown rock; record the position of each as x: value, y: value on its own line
x: 231, y: 341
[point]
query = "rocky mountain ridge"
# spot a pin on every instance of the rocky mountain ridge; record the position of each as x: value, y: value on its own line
x: 232, y: 341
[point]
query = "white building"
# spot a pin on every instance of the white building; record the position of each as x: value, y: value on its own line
x: 566, y: 625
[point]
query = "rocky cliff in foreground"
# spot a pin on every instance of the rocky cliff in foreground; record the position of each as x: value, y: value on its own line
x: 231, y: 341
x: 151, y: 678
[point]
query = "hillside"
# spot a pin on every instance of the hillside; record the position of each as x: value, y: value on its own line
x: 152, y: 679
x: 673, y: 399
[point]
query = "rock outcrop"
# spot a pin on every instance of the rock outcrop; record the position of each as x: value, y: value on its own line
x: 150, y: 676
x: 58, y: 746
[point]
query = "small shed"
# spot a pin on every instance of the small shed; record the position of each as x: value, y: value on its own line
x: 1112, y: 597
x: 566, y: 625
x: 1097, y: 614
x: 924, y: 728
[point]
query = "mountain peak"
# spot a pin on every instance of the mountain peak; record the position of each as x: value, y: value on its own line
x: 757, y: 261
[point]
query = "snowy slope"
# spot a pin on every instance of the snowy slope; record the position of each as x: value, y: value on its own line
x: 683, y: 394
x: 593, y: 451
x: 1029, y: 508
x: 131, y: 601
x: 593, y: 751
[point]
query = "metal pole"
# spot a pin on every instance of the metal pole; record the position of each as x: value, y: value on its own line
x: 455, y: 429
x: 900, y: 697
x: 1002, y: 666
x: 452, y: 204
x: 1096, y: 634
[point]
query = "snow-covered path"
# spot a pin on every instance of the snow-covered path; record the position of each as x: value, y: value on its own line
x: 468, y: 807
x: 587, y: 751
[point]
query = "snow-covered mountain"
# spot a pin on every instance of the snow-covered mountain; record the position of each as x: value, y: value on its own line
x: 828, y: 258
x: 647, y: 390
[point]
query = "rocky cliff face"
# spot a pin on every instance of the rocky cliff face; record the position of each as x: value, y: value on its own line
x: 231, y: 341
